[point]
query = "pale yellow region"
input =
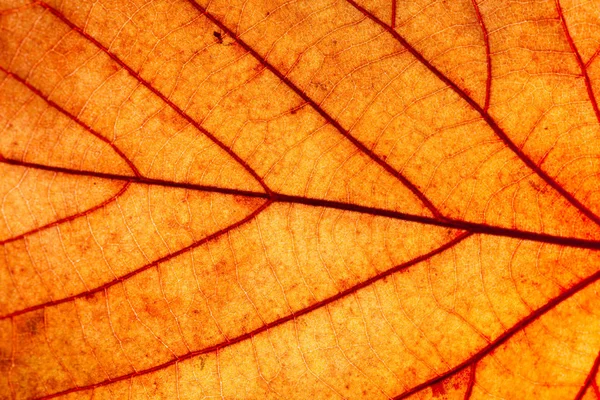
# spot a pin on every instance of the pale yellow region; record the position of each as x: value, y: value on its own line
x: 228, y: 91
x: 539, y: 95
x: 35, y: 132
x: 78, y: 76
x: 399, y: 332
x: 287, y: 259
x: 142, y: 225
x: 360, y: 74
x: 450, y: 36
x: 31, y: 199
x: 583, y: 20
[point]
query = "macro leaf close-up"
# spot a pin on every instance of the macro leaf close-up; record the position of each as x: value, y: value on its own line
x: 300, y: 199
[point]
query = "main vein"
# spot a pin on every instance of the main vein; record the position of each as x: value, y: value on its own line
x: 275, y: 197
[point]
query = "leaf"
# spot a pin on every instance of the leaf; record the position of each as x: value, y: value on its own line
x: 309, y: 199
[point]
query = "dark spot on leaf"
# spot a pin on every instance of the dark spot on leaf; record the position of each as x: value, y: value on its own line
x: 88, y: 295
x: 218, y: 36
x: 438, y: 389
x: 246, y: 201
x: 114, y: 68
x: 34, y: 323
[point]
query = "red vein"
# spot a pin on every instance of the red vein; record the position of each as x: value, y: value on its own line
x: 134, y: 179
x: 146, y: 84
x: 592, y: 58
x: 448, y: 223
x: 272, y: 324
x: 74, y: 118
x: 589, y: 379
x: 281, y: 198
x: 394, y: 11
x: 330, y: 120
x: 488, y: 58
x: 125, y: 178
x: 66, y: 219
x: 503, y: 338
x: 284, y: 198
x: 486, y: 117
x: 582, y: 66
x: 522, y: 324
x: 120, y: 279
x: 471, y: 383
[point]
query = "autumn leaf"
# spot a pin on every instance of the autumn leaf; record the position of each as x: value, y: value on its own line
x: 261, y: 199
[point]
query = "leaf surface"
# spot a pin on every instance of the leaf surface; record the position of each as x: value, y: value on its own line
x: 308, y: 199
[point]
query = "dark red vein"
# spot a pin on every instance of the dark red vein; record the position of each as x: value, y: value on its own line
x: 120, y: 279
x: 519, y: 326
x: 471, y: 383
x: 592, y: 58
x: 272, y: 324
x: 134, y: 179
x: 394, y: 12
x: 448, y: 223
x: 582, y: 66
x: 73, y: 118
x: 589, y: 379
x: 284, y: 198
x: 146, y: 84
x: 486, y: 117
x: 488, y: 57
x: 67, y: 219
x: 330, y: 120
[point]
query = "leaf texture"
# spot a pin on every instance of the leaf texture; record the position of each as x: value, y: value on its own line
x: 267, y: 199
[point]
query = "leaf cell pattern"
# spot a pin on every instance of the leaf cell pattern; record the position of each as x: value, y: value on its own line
x: 299, y: 199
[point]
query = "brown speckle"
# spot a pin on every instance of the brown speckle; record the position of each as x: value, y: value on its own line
x: 218, y: 36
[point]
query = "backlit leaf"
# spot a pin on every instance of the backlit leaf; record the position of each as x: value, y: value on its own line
x: 263, y: 199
